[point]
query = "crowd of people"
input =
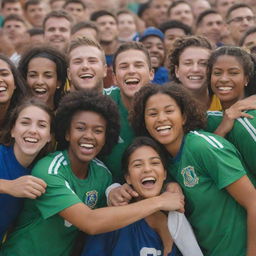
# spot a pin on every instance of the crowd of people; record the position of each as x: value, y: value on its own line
x: 127, y: 128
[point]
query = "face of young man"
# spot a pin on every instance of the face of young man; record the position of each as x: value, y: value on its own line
x: 12, y: 8
x: 35, y: 14
x: 239, y: 22
x: 87, y: 68
x: 57, y: 32
x: 132, y: 71
x: 108, y: 31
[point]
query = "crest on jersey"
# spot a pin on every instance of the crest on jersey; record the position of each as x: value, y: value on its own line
x: 190, y: 178
x: 91, y: 198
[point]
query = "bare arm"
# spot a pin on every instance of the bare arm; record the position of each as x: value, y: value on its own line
x: 111, y: 218
x: 234, y: 112
x: 26, y: 186
x: 245, y: 194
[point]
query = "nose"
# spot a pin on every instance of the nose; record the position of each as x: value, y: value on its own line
x: 88, y: 134
x: 161, y: 116
x: 131, y: 69
x: 40, y: 80
x: 33, y: 128
x: 195, y: 67
x: 223, y: 78
x: 147, y: 167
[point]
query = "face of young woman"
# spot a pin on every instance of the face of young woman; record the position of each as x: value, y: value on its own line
x: 42, y: 78
x: 7, y: 85
x: 228, y: 79
x: 164, y: 121
x: 146, y: 172
x: 31, y: 131
x: 86, y: 136
x: 192, y: 67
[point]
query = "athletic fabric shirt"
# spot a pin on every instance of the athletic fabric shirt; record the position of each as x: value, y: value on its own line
x: 10, y: 169
x: 242, y: 136
x: 137, y: 239
x: 204, y: 167
x: 40, y: 230
x: 113, y: 160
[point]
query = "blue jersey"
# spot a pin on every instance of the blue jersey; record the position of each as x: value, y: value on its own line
x: 10, y: 169
x: 161, y: 75
x: 135, y: 239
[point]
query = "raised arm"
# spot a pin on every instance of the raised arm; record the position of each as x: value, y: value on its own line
x: 111, y: 218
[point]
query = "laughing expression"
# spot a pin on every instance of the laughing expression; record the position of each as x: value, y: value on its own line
x: 42, y: 79
x: 164, y: 121
x: 191, y: 70
x: 132, y: 72
x: 86, y: 137
x: 7, y: 85
x: 31, y: 132
x: 146, y: 172
x: 228, y: 80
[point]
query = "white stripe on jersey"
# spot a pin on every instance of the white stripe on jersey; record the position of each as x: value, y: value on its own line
x: 248, y: 126
x: 107, y: 91
x: 68, y: 186
x: 210, y: 139
x: 55, y: 159
x: 57, y: 166
x: 100, y: 163
x: 214, y: 113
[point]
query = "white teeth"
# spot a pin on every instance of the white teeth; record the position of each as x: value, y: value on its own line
x: 85, y: 145
x: 195, y: 77
x: 163, y: 128
x: 225, y: 88
x: 86, y: 76
x: 32, y: 140
x: 3, y: 89
x: 40, y: 90
x: 148, y: 179
x: 132, y: 81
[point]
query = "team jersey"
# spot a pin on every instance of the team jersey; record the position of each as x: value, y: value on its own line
x: 113, y: 160
x: 40, y: 230
x: 10, y: 169
x: 135, y: 239
x: 204, y: 167
x: 242, y: 136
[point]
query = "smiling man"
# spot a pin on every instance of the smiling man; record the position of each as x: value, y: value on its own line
x: 87, y: 65
x: 57, y: 29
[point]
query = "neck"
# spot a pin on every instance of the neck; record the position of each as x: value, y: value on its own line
x: 22, y: 158
x: 109, y: 47
x: 126, y: 101
x: 175, y: 146
x: 227, y: 104
x: 80, y: 169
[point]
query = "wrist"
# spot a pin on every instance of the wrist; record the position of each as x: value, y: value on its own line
x: 4, y: 186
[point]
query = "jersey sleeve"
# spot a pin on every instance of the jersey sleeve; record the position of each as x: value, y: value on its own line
x: 214, y: 119
x: 58, y: 195
x: 219, y: 159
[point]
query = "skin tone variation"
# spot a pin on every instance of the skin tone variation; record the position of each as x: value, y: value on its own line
x: 42, y: 79
x: 87, y: 68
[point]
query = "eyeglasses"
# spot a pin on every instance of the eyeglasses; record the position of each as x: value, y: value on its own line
x: 240, y: 19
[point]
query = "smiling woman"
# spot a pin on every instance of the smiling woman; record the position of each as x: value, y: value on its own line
x: 25, y: 138
x: 45, y: 70
x: 86, y: 126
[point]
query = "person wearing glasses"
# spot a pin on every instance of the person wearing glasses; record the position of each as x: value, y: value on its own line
x: 240, y: 18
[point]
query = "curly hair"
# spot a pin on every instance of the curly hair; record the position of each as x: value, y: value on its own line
x: 194, y: 114
x: 246, y: 60
x: 55, y: 56
x: 87, y: 101
x: 179, y: 47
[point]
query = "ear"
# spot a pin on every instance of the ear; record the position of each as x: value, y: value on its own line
x: 58, y: 85
x: 68, y: 74
x: 127, y: 179
x: 177, y: 71
x: 114, y: 79
x: 105, y: 70
x: 165, y: 174
x: 184, y: 119
x: 12, y: 132
x: 151, y: 74
x: 67, y: 136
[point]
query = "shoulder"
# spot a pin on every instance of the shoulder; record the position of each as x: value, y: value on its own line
x: 112, y: 91
x: 99, y: 166
x: 50, y: 164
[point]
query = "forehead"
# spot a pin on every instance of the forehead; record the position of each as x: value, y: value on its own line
x: 88, y: 116
x: 175, y: 31
x: 75, y: 5
x: 4, y: 65
x: 57, y: 22
x: 105, y: 18
x: 14, y: 22
x: 195, y: 53
x: 152, y: 40
x: 9, y: 5
x: 241, y: 12
x: 86, y: 52
x: 125, y: 16
x: 41, y: 62
x: 143, y: 152
x: 130, y: 56
x: 227, y: 61
x: 225, y: 2
x: 156, y: 3
x: 34, y: 112
x: 181, y: 7
x: 32, y: 6
x: 212, y: 17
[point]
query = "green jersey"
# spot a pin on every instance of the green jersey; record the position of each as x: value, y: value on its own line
x: 40, y: 230
x: 242, y: 136
x: 205, y: 165
x: 113, y: 160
